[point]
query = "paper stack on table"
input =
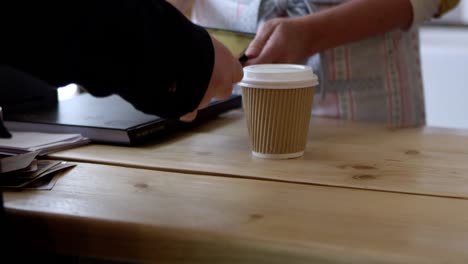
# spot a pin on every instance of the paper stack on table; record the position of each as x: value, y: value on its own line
x: 24, y: 171
x: 45, y: 143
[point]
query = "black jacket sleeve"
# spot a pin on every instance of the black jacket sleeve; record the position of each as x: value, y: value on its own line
x: 146, y: 51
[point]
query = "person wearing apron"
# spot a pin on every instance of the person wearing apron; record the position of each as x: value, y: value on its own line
x: 373, y: 78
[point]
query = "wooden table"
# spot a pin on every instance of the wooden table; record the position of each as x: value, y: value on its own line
x: 430, y: 161
x: 362, y: 193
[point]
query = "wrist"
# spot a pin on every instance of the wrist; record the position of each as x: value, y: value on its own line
x: 313, y: 34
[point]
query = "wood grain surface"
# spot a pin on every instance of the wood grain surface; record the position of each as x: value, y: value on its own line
x: 429, y: 161
x: 145, y: 215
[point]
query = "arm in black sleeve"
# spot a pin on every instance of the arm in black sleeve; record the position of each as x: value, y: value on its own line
x: 143, y: 50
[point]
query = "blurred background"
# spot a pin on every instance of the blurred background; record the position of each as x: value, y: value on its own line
x: 444, y: 53
x: 444, y: 50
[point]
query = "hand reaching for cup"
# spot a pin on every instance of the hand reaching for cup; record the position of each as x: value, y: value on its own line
x: 226, y: 71
x: 294, y: 39
x: 280, y: 40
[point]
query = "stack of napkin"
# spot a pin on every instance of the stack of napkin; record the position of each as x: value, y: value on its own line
x: 25, y: 171
x: 45, y: 143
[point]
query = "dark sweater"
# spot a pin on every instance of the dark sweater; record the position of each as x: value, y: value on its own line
x: 143, y: 50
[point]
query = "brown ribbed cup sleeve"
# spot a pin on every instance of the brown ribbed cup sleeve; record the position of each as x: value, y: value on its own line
x: 277, y: 119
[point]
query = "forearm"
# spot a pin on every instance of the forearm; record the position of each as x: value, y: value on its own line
x: 145, y: 51
x: 353, y: 21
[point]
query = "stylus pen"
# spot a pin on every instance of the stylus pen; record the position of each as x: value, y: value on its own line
x: 243, y: 59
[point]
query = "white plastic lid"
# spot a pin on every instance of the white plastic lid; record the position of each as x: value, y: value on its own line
x: 279, y: 76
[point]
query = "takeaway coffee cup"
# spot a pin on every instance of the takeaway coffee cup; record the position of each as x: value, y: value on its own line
x: 277, y: 100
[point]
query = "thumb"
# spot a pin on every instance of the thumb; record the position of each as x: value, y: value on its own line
x: 237, y: 72
x: 268, y: 55
x: 189, y: 117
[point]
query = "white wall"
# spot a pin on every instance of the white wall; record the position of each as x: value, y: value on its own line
x: 444, y: 54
